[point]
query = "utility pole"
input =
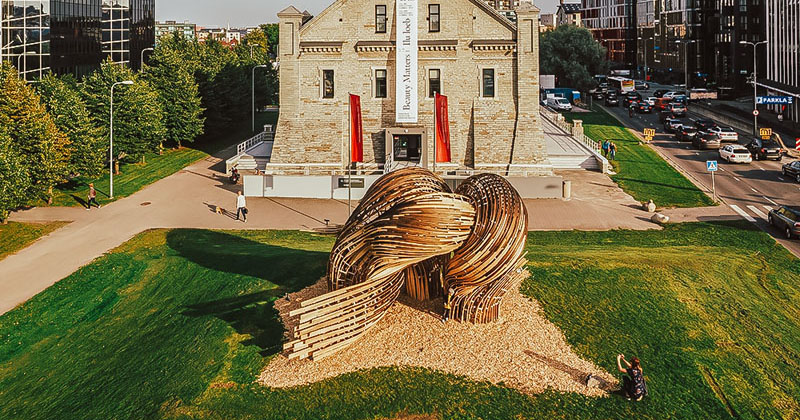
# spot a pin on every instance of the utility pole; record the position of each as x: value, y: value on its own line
x: 755, y: 82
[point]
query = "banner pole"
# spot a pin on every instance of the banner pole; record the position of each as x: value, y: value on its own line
x: 349, y: 154
x: 435, y: 131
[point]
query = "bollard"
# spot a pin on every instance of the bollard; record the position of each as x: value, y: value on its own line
x: 566, y: 191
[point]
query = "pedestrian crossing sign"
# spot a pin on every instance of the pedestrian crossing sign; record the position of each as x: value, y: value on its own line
x: 766, y: 133
x: 711, y: 165
x: 649, y: 132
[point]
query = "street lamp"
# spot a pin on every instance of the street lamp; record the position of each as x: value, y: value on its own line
x: 645, y: 54
x: 111, y: 141
x: 262, y: 66
x: 686, y: 43
x: 755, y: 82
x: 251, y: 49
x: 141, y: 61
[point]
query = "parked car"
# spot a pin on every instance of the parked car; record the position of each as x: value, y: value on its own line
x: 705, y: 125
x: 630, y: 98
x: 659, y: 93
x: 643, y: 107
x: 792, y: 170
x: 735, y: 153
x: 677, y: 108
x: 612, y: 99
x: 672, y: 125
x: 640, y: 85
x: 559, y: 104
x: 663, y: 116
x: 764, y: 149
x: 787, y: 219
x: 706, y: 140
x: 685, y: 133
x: 726, y: 134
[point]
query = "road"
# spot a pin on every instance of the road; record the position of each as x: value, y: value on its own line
x: 749, y: 189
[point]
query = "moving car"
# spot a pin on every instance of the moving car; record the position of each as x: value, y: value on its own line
x: 787, y: 219
x: 640, y: 85
x: 672, y: 125
x: 706, y: 140
x: 651, y: 100
x: 735, y: 154
x: 559, y: 104
x: 677, y: 108
x: 612, y: 99
x: 764, y: 149
x: 792, y: 170
x: 643, y: 107
x: 597, y: 94
x: 705, y: 125
x: 659, y: 93
x: 670, y: 94
x: 685, y: 133
x: 631, y: 97
x: 663, y: 116
x: 726, y: 134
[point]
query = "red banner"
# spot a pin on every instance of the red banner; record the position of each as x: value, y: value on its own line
x: 356, y: 130
x: 442, y: 130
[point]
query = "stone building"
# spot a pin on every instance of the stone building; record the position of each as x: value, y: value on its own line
x: 487, y: 66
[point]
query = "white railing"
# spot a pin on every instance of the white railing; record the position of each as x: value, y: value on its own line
x: 559, y: 121
x: 266, y: 135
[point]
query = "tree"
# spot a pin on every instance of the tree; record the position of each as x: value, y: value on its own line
x: 33, y: 135
x: 138, y: 116
x: 272, y: 31
x: 88, y: 147
x: 14, y: 181
x: 572, y: 54
x: 179, y: 94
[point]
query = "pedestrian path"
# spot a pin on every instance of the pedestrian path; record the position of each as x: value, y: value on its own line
x: 762, y: 214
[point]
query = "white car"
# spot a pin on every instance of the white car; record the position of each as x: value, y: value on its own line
x: 651, y: 100
x: 735, y: 153
x: 726, y: 134
x: 670, y: 95
x: 559, y: 104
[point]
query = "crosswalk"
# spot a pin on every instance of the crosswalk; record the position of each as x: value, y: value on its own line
x: 755, y: 210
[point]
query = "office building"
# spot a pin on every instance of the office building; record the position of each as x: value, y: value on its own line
x: 73, y: 36
x: 186, y: 29
x: 782, y: 55
x: 613, y: 24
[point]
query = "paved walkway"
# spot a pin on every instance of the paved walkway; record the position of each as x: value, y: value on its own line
x: 188, y: 200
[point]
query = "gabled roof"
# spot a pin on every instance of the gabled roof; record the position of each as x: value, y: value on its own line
x: 570, y: 8
x: 290, y: 11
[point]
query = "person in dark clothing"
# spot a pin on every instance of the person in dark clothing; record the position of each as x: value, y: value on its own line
x: 91, y: 198
x: 612, y: 151
x: 633, y: 384
x: 447, y: 304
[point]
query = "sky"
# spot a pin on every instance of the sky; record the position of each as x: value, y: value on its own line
x: 252, y: 12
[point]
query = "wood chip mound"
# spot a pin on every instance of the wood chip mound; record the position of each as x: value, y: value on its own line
x: 523, y: 350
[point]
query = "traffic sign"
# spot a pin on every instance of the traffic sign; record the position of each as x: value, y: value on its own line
x: 766, y: 133
x: 774, y: 100
x: 755, y: 112
x: 649, y: 132
x: 711, y: 165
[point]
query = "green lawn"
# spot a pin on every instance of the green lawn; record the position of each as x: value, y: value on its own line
x: 15, y: 236
x: 177, y: 324
x: 135, y: 176
x: 641, y: 172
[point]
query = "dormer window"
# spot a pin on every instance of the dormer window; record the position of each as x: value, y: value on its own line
x: 380, y: 19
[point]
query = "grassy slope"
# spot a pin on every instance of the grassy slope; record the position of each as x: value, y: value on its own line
x: 133, y: 177
x: 15, y: 236
x: 641, y: 172
x: 177, y: 324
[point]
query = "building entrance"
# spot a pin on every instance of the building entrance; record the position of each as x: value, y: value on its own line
x: 406, y: 147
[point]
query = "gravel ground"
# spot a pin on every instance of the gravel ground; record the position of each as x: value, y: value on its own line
x: 523, y: 349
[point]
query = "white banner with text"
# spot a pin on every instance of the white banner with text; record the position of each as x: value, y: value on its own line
x: 406, y: 108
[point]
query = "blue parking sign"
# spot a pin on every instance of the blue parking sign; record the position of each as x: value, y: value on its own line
x: 711, y: 165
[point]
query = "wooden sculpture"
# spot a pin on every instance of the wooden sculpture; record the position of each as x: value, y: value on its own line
x: 410, y: 231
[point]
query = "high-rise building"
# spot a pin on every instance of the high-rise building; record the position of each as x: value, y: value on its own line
x: 782, y: 54
x: 186, y: 29
x: 613, y: 24
x: 73, y: 36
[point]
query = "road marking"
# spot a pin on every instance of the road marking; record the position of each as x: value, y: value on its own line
x: 773, y: 203
x: 722, y: 169
x: 763, y: 169
x: 737, y: 179
x: 742, y: 213
x: 769, y: 209
x: 758, y: 212
x: 754, y: 190
x: 782, y: 178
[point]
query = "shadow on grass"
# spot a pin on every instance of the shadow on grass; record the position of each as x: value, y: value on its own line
x: 660, y: 184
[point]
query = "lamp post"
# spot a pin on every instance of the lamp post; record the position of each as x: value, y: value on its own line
x: 254, y: 93
x: 111, y: 141
x: 686, y: 43
x: 251, y: 48
x: 755, y: 82
x: 645, y: 54
x: 141, y: 62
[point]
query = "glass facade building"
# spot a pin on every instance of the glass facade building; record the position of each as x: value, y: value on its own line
x: 74, y: 36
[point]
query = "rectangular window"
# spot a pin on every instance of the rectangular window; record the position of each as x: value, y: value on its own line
x: 380, y: 83
x: 488, y: 83
x: 433, y: 18
x: 434, y: 82
x: 380, y: 19
x: 327, y: 84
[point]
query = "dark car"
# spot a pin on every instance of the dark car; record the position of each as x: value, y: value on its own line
x: 787, y: 219
x: 612, y: 100
x: 764, y: 149
x: 659, y: 93
x: 630, y: 98
x: 597, y: 94
x: 705, y: 124
x: 792, y: 170
x: 706, y: 140
x: 672, y: 125
x: 677, y: 108
x: 639, y: 85
x: 643, y: 107
x: 663, y: 116
x: 685, y: 133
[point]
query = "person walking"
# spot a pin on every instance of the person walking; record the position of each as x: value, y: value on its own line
x: 91, y: 198
x: 605, y: 147
x: 633, y: 384
x: 241, y: 207
x: 612, y: 150
x: 447, y: 304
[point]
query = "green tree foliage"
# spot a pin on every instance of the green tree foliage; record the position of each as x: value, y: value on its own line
x: 14, y: 181
x: 33, y: 136
x: 271, y: 29
x: 173, y: 79
x: 572, y: 54
x: 138, y: 117
x: 88, y: 148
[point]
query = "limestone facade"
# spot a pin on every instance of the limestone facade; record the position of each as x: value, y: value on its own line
x: 500, y: 134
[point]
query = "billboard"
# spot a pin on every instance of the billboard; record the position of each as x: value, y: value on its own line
x: 406, y: 105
